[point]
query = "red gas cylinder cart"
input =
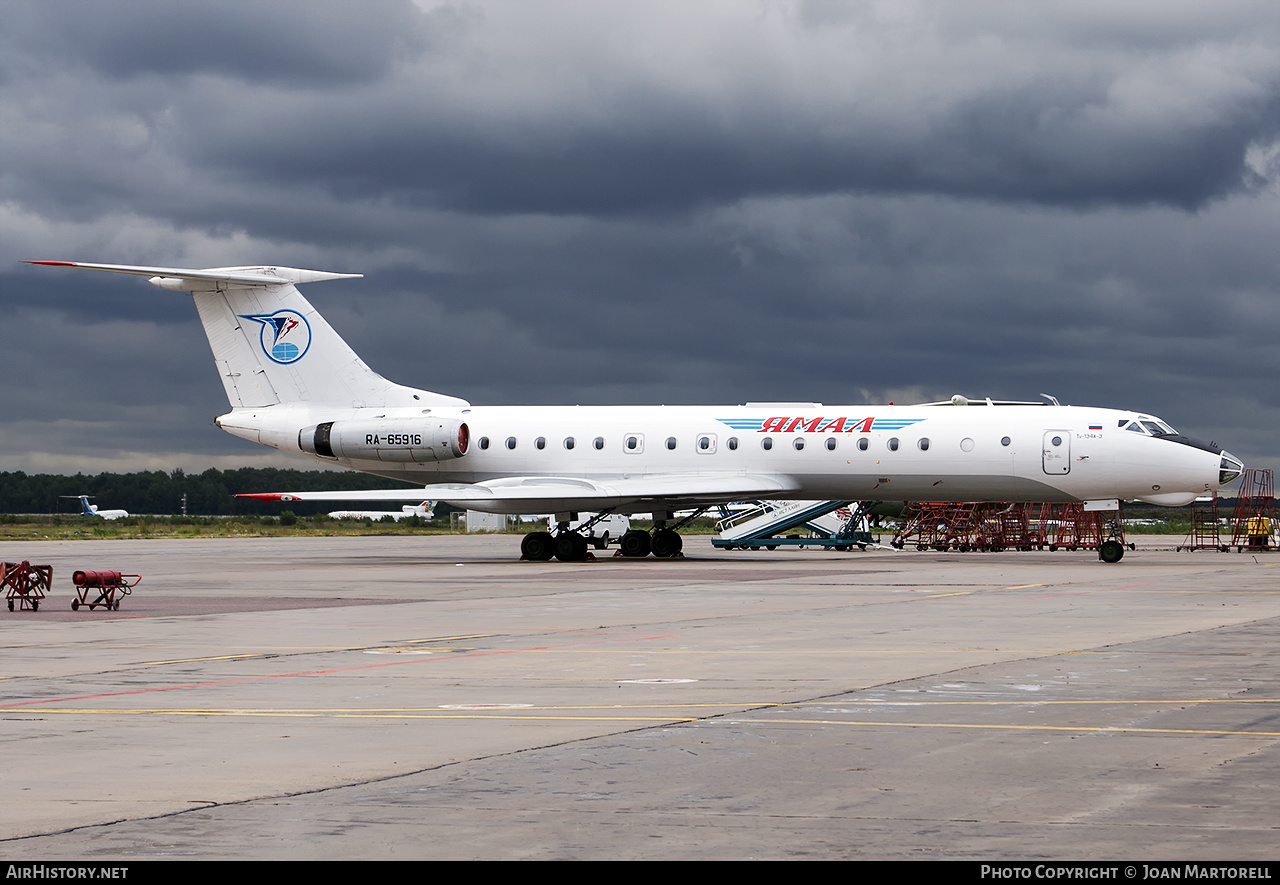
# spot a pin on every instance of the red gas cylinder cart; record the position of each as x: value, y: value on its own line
x: 109, y: 586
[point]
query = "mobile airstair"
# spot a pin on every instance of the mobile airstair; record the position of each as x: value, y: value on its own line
x: 830, y: 524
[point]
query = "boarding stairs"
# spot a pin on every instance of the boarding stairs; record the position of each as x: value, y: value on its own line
x: 830, y: 522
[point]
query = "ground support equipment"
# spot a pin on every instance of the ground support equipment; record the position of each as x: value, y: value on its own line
x: 1254, y: 520
x: 25, y: 583
x: 109, y: 586
x: 1206, y: 531
x: 991, y: 528
x: 932, y: 525
x: 761, y: 527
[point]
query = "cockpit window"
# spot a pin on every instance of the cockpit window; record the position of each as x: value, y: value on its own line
x: 1148, y: 424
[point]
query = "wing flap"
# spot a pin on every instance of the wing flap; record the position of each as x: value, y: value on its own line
x: 542, y: 494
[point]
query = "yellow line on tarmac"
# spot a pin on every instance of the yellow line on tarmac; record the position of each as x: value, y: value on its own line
x: 449, y: 638
x: 1094, y: 729
x: 260, y: 654
x: 1031, y: 700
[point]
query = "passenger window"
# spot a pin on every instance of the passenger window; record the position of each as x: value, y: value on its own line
x: 568, y: 442
x: 540, y: 442
x: 798, y: 443
x: 863, y: 443
x: 598, y: 442
x: 924, y: 444
x: 732, y: 443
x: 511, y: 442
x: 484, y: 442
x: 766, y: 443
x: 1004, y: 440
x: 893, y: 444
x: 831, y: 444
x: 671, y: 443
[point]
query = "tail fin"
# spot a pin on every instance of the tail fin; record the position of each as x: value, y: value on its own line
x: 270, y: 345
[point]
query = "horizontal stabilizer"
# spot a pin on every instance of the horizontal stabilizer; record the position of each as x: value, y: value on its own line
x: 185, y: 279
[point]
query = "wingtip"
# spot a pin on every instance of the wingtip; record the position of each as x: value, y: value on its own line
x: 55, y: 263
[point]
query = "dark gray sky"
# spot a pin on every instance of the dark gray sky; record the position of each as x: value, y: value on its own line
x: 650, y: 202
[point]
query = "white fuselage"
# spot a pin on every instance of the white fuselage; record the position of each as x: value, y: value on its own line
x: 928, y: 452
x: 294, y: 384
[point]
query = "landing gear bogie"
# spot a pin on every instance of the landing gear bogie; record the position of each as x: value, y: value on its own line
x: 636, y: 543
x: 537, y: 547
x: 666, y: 543
x: 570, y: 547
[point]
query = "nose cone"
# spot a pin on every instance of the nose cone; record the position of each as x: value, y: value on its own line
x: 1229, y: 468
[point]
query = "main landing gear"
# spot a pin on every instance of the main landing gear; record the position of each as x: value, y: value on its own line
x: 567, y: 546
x: 663, y: 543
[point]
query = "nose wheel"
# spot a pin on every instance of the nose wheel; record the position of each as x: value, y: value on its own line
x: 1111, y: 551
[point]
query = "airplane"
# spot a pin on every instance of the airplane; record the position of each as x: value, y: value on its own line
x: 295, y: 385
x: 87, y: 509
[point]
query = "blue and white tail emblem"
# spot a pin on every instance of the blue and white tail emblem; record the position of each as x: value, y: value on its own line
x: 285, y: 335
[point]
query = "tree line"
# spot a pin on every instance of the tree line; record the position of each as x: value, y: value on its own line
x: 211, y: 493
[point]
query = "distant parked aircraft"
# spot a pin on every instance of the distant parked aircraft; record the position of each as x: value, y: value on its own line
x: 87, y: 509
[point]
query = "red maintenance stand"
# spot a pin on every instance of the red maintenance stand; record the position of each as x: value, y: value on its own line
x: 26, y: 583
x: 1255, y: 511
x: 109, y: 586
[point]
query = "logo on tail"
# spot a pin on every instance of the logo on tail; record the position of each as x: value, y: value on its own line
x: 285, y: 335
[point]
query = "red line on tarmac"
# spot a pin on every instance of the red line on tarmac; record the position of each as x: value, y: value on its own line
x: 479, y: 654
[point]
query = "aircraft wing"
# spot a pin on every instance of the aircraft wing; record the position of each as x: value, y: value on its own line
x: 557, y: 494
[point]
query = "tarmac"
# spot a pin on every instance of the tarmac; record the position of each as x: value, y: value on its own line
x: 436, y: 698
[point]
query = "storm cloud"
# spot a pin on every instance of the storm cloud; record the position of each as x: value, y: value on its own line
x: 649, y: 202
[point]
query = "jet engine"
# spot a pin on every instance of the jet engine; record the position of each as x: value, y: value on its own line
x: 397, y: 440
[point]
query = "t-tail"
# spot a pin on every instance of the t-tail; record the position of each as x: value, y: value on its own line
x: 270, y: 345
